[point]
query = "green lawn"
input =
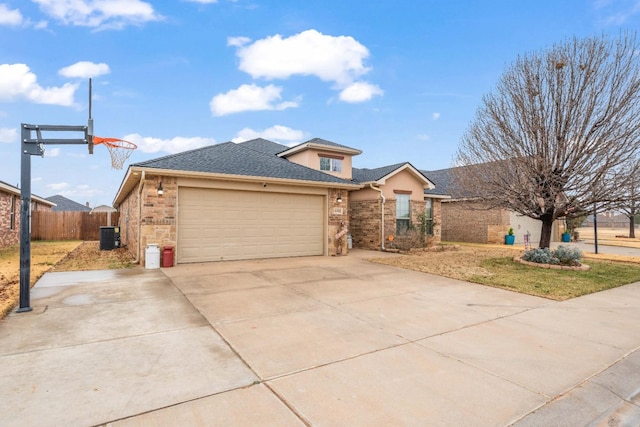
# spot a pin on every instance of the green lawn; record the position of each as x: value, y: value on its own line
x: 556, y: 284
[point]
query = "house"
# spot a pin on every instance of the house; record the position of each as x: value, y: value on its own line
x: 10, y: 212
x: 67, y: 205
x: 260, y: 199
x: 466, y: 218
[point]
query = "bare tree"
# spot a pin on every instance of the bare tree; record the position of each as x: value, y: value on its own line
x: 629, y: 182
x: 560, y: 124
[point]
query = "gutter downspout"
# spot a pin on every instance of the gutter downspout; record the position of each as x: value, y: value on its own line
x: 382, y: 224
x: 142, y: 178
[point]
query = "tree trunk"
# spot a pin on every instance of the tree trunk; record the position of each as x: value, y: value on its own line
x: 545, y: 234
x: 632, y: 224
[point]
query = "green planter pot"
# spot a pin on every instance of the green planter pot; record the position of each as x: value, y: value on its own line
x: 509, y: 239
x: 566, y: 237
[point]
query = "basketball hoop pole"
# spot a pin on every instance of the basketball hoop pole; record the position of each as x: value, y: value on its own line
x: 30, y: 146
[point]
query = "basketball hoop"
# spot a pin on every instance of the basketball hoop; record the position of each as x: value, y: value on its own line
x: 119, y: 149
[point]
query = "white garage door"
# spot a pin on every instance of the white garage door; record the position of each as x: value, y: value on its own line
x: 215, y: 225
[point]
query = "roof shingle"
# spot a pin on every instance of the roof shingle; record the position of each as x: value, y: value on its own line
x: 256, y: 159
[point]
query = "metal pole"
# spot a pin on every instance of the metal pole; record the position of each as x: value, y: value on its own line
x: 595, y: 227
x: 25, y: 221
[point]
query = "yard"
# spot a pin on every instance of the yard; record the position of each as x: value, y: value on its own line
x: 53, y: 256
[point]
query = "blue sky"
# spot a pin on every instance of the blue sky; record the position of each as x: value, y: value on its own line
x: 400, y: 80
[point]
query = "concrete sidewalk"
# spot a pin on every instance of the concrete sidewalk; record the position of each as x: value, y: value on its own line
x: 315, y: 341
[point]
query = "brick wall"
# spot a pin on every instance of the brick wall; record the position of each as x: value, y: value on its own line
x: 129, y: 221
x: 9, y: 235
x: 468, y: 222
x: 152, y: 214
x: 338, y: 220
x: 158, y: 218
x: 364, y: 217
x: 436, y: 208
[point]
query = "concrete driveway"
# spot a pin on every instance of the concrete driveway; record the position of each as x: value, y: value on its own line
x: 314, y: 341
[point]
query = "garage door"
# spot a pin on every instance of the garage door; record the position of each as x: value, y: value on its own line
x: 216, y: 225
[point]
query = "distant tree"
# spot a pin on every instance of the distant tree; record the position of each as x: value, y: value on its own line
x: 629, y: 182
x: 559, y: 126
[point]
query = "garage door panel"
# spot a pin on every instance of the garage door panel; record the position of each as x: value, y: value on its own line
x: 224, y: 225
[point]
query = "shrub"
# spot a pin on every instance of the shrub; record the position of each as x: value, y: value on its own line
x: 563, y: 255
x: 539, y: 256
x: 567, y: 255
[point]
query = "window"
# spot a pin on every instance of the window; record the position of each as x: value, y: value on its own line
x: 402, y: 213
x: 330, y: 165
x: 428, y: 213
x: 12, y: 225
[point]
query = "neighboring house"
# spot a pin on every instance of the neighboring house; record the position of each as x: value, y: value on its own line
x: 466, y: 218
x: 10, y: 212
x: 67, y: 205
x: 260, y: 199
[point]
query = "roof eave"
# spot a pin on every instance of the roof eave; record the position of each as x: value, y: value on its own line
x: 136, y: 171
x: 310, y: 145
x: 428, y: 184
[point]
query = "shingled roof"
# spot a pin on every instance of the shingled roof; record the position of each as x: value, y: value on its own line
x: 318, y: 143
x: 445, y: 182
x: 264, y: 146
x: 373, y: 175
x: 67, y: 205
x: 253, y: 158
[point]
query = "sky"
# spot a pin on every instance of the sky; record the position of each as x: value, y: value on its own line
x: 399, y: 80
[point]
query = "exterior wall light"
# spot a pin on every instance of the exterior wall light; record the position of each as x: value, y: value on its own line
x: 160, y: 190
x: 339, y: 199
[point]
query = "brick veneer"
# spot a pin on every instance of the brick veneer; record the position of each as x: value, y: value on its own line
x: 338, y: 220
x: 365, y: 217
x: 155, y: 216
x: 468, y: 222
x: 11, y: 236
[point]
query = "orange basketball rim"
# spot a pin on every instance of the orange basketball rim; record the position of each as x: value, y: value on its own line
x: 119, y: 149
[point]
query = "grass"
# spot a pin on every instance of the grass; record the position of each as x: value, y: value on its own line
x: 556, y: 284
x: 54, y: 256
x: 493, y: 265
x: 44, y: 255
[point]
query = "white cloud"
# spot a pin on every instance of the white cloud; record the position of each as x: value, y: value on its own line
x: 237, y: 41
x: 100, y: 14
x: 616, y: 13
x: 360, y: 92
x: 18, y: 82
x: 58, y: 186
x: 177, y: 144
x: 277, y: 133
x: 423, y: 137
x: 85, y: 70
x: 11, y: 17
x: 203, y: 1
x: 334, y: 59
x: 435, y: 116
x: 51, y: 152
x: 249, y: 98
x: 8, y: 135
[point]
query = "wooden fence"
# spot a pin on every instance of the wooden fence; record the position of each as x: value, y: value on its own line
x: 70, y: 225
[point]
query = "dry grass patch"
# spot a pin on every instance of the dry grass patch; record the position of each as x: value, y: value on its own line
x: 54, y: 256
x: 44, y: 255
x: 494, y: 266
x: 462, y: 264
